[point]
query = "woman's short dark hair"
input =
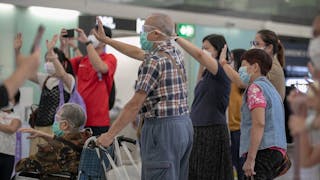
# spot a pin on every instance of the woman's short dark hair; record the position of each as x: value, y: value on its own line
x: 218, y: 42
x: 260, y: 57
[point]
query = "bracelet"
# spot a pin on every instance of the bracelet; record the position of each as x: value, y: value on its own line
x: 88, y: 42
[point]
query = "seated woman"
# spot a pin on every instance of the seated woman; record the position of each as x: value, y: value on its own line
x: 62, y: 151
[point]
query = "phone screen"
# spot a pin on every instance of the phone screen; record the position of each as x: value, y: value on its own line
x: 37, y: 39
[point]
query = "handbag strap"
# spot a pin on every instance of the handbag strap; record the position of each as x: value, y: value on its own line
x: 61, y: 92
x: 61, y: 101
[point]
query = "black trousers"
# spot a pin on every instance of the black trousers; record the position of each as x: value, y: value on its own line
x: 236, y: 160
x: 267, y: 161
x: 6, y: 166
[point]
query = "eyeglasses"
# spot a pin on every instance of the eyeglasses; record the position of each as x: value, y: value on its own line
x: 254, y: 43
x: 148, y: 28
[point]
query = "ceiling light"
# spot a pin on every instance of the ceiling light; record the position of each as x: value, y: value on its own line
x: 54, y: 13
x: 4, y: 6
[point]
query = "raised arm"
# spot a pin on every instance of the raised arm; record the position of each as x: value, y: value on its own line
x: 66, y: 43
x: 124, y: 48
x: 27, y: 66
x: 18, y: 41
x: 94, y: 57
x: 228, y: 69
x: 204, y: 59
x: 53, y: 57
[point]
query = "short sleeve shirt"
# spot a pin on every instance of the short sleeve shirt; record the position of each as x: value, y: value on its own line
x: 8, y: 141
x: 95, y: 88
x: 255, y: 97
x: 211, y: 99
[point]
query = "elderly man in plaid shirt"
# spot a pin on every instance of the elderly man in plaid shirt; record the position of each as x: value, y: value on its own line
x: 160, y: 101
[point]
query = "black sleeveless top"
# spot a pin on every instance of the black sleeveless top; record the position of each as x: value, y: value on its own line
x: 48, y: 105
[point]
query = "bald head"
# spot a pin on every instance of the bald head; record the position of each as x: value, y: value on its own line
x: 316, y: 26
x: 161, y: 21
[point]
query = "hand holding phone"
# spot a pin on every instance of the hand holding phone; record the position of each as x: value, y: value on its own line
x: 69, y: 33
x: 37, y: 39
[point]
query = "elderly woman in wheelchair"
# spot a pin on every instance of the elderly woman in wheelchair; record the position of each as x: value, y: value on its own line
x: 60, y: 156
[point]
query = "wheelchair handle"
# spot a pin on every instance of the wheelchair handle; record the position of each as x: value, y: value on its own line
x: 126, y: 139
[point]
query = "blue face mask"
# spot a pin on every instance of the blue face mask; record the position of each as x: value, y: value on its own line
x: 56, y: 129
x: 145, y: 43
x: 244, y: 76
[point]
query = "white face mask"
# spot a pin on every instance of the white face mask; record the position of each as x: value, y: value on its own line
x: 49, y: 68
x: 314, y: 52
x: 9, y: 107
x: 207, y: 52
x: 94, y: 40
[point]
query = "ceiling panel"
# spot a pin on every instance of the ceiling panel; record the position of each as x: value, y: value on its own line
x: 289, y: 11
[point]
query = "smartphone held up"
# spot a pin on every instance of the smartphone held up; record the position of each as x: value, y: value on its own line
x: 69, y: 33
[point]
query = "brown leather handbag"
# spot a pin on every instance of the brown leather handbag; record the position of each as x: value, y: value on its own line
x: 284, y: 167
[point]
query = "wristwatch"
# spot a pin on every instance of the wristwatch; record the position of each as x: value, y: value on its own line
x: 88, y: 42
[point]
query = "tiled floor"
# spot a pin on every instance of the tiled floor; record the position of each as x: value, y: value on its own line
x: 305, y: 174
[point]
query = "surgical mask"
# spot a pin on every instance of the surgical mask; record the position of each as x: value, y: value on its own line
x: 244, y: 76
x: 145, y: 43
x: 56, y: 129
x: 8, y: 107
x: 314, y: 52
x: 207, y: 52
x: 94, y: 40
x: 49, y: 68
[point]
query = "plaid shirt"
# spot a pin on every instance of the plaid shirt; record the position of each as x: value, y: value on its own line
x: 166, y: 91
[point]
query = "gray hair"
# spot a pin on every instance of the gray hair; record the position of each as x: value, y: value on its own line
x: 73, y: 114
x: 163, y: 22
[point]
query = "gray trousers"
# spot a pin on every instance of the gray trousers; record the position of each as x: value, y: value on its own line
x: 166, y: 145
